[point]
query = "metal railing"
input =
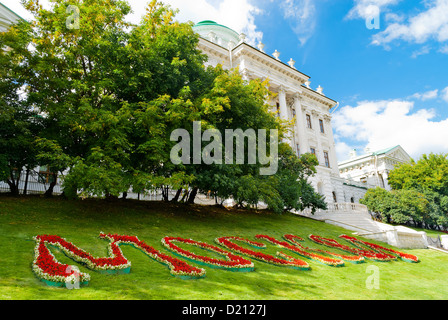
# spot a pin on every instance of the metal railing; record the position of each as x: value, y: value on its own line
x: 435, y: 242
x: 36, y: 184
x: 338, y: 208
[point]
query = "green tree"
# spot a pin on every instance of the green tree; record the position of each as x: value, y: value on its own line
x: 378, y: 200
x: 110, y: 92
x: 19, y: 122
x: 398, y: 206
x: 408, y: 206
x: 233, y: 104
x: 430, y: 172
x: 427, y: 176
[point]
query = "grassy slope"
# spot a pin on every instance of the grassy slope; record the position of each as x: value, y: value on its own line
x: 81, y: 221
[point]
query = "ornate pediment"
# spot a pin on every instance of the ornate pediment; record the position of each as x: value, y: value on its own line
x: 400, y: 155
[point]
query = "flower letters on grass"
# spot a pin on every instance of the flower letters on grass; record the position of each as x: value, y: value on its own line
x: 53, y: 273
x: 287, y: 261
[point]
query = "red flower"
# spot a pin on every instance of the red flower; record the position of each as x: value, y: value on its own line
x: 382, y: 250
x: 288, y: 261
x: 233, y: 261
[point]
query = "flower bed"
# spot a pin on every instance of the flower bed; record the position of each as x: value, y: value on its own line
x: 369, y: 254
x: 54, y: 273
x: 380, y: 249
x: 177, y: 267
x: 353, y: 259
x: 232, y: 261
x: 304, y: 252
x: 287, y: 261
x: 48, y: 269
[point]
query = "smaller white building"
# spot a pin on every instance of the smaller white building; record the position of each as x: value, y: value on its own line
x: 7, y: 18
x: 373, y: 168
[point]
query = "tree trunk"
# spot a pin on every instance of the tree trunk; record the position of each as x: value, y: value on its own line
x: 192, y: 196
x: 109, y: 196
x: 125, y: 195
x: 13, y: 188
x: 185, y: 196
x: 25, y: 188
x: 165, y: 194
x: 177, y: 196
x: 49, y: 192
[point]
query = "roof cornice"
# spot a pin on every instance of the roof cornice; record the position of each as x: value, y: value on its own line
x: 245, y: 48
x: 310, y: 93
x: 11, y: 14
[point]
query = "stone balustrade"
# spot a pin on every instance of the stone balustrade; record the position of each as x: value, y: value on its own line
x: 338, y: 207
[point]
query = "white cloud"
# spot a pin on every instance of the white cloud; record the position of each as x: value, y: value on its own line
x: 426, y: 95
x: 393, y: 17
x: 382, y: 124
x: 420, y: 52
x: 236, y: 14
x: 429, y: 24
x: 343, y: 150
x: 445, y: 94
x: 302, y: 16
x: 364, y: 8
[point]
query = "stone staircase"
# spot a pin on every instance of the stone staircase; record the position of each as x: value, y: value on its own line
x: 356, y: 218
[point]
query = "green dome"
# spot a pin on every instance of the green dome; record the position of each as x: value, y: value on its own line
x: 205, y: 22
x: 217, y: 33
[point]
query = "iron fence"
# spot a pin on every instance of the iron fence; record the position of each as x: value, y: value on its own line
x: 435, y: 242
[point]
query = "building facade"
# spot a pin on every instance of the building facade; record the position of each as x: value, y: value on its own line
x: 295, y: 100
x: 7, y: 18
x: 373, y: 168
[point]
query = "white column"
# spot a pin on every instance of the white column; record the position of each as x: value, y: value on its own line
x: 283, y: 104
x: 301, y: 125
x: 245, y: 74
x: 386, y: 180
x: 332, y: 151
x: 284, y: 113
x: 316, y: 126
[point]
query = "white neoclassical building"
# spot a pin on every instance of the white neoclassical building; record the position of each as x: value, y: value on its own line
x: 373, y: 168
x: 295, y: 100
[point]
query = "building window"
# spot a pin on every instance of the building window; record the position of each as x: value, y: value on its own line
x: 298, y: 150
x: 335, y: 198
x: 313, y: 151
x: 320, y: 188
x: 327, y: 159
x: 322, y: 128
x: 278, y: 109
x: 382, y: 184
x: 308, y: 122
x: 46, y: 175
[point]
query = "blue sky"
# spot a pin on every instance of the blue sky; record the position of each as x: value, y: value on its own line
x: 391, y: 82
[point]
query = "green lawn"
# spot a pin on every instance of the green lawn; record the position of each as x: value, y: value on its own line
x: 81, y: 222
